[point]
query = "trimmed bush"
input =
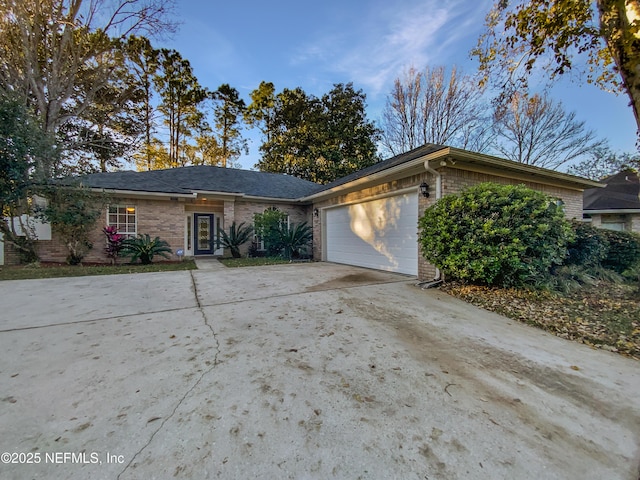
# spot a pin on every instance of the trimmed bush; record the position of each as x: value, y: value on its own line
x: 494, y: 234
x: 624, y: 251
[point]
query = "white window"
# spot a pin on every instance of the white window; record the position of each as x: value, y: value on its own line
x: 124, y: 218
x: 616, y: 226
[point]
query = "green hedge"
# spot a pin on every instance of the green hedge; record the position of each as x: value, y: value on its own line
x: 624, y: 251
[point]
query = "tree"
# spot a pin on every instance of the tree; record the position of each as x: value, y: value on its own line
x: 109, y: 129
x: 72, y: 211
x: 426, y: 107
x: 181, y: 95
x: 602, y: 162
x: 537, y: 131
x: 59, y: 54
x: 261, y: 111
x: 319, y: 139
x: 142, y: 59
x: 555, y: 34
x: 228, y: 113
x: 347, y: 139
x: 23, y: 146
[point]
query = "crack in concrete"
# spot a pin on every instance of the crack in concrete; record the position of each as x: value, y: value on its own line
x: 188, y: 392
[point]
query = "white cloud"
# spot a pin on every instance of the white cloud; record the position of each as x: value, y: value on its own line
x: 386, y: 40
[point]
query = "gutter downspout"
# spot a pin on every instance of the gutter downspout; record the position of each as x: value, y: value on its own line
x: 438, y: 176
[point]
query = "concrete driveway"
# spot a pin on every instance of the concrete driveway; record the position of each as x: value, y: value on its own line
x: 298, y: 371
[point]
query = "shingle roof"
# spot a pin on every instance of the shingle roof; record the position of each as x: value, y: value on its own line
x: 385, y: 164
x: 621, y: 193
x: 186, y: 180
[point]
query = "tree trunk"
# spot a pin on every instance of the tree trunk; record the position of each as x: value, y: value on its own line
x: 617, y: 19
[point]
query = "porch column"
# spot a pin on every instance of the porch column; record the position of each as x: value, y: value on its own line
x: 229, y: 213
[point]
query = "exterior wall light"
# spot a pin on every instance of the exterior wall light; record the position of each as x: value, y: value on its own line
x: 424, y: 189
x: 315, y: 212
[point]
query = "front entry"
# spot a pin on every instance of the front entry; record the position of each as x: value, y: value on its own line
x: 203, y: 234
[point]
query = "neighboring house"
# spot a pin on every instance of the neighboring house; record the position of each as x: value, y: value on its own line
x: 617, y: 205
x: 368, y: 218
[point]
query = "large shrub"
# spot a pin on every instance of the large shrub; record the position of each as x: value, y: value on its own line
x: 268, y: 226
x: 624, y: 251
x: 589, y: 246
x: 495, y: 234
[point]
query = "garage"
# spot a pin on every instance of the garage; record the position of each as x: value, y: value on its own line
x: 380, y: 234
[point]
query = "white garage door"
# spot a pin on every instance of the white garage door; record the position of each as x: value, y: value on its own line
x: 380, y: 234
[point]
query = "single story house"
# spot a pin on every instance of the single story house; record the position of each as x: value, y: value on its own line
x: 617, y: 205
x: 368, y: 218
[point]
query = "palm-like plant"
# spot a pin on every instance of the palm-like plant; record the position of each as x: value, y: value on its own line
x: 237, y: 236
x: 294, y: 238
x: 143, y: 248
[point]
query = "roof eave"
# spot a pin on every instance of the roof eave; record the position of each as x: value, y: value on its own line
x: 612, y: 210
x: 495, y: 165
x: 142, y: 193
x: 386, y: 174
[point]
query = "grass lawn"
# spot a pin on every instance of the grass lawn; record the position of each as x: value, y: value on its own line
x: 605, y: 315
x: 24, y: 272
x: 253, y: 261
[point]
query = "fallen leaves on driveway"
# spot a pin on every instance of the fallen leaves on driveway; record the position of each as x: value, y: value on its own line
x: 605, y: 315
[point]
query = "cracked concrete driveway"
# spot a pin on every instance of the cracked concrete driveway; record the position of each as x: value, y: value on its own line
x: 298, y: 371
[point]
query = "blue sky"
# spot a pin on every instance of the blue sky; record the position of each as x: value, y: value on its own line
x: 313, y: 45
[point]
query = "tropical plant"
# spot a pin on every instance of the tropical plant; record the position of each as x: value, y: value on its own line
x: 143, y: 248
x: 494, y: 234
x: 237, y: 236
x: 294, y: 238
x: 114, y: 242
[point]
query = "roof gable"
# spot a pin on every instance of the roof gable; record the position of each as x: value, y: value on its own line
x: 620, y: 193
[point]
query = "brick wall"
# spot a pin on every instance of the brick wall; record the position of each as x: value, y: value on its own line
x: 455, y: 180
x: 631, y: 220
x: 163, y: 218
x: 11, y: 256
x: 244, y: 211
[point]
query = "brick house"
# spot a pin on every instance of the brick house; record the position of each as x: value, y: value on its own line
x: 617, y: 205
x: 368, y: 218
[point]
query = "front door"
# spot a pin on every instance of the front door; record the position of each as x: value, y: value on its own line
x: 203, y: 240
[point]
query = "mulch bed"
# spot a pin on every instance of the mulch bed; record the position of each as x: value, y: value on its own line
x: 604, y: 315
